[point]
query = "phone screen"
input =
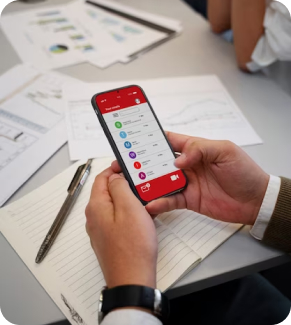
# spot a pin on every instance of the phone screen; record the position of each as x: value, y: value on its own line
x: 140, y: 142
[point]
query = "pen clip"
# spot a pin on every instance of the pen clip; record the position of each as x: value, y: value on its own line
x: 78, y: 176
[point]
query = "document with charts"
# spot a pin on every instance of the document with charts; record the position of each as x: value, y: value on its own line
x: 32, y: 125
x: 196, y: 106
x: 54, y: 37
x: 70, y: 273
x: 98, y: 32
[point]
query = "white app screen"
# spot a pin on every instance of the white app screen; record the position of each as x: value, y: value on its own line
x: 141, y: 143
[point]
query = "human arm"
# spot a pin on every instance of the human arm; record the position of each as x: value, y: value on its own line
x: 123, y: 237
x: 219, y: 15
x: 247, y: 18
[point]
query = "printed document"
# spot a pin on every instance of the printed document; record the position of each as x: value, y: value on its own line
x: 196, y: 106
x: 54, y: 37
x: 98, y: 32
x: 32, y: 124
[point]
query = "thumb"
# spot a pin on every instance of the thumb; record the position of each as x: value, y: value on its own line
x: 120, y: 191
x: 191, y: 155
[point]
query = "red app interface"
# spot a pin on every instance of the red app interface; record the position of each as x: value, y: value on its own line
x: 141, y: 143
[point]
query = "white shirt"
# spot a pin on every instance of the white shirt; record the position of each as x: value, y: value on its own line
x: 137, y: 317
x: 275, y: 43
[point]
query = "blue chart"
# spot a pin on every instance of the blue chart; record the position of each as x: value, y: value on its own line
x: 131, y: 30
x: 119, y: 38
x: 58, y: 49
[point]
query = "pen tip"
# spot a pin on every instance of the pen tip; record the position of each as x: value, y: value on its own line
x: 37, y: 260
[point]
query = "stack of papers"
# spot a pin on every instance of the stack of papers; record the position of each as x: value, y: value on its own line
x: 96, y: 31
x: 196, y: 106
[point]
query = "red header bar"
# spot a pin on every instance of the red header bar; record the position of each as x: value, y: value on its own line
x: 120, y: 99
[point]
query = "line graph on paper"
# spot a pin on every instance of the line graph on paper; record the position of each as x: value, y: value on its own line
x: 84, y: 123
x: 202, y: 114
x: 13, y: 142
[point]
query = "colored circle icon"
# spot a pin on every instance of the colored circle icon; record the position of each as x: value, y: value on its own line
x: 118, y: 125
x: 142, y: 175
x: 123, y: 134
x: 137, y: 165
x: 132, y: 155
x: 127, y: 145
x: 57, y: 49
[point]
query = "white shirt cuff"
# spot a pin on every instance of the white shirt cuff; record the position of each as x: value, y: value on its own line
x: 267, y: 208
x: 130, y: 317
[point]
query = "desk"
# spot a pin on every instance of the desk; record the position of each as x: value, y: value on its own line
x: 196, y: 52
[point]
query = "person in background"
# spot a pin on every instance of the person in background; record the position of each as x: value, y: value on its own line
x: 225, y: 184
x: 260, y: 29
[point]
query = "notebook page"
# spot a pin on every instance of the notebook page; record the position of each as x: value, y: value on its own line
x: 200, y: 233
x: 70, y: 273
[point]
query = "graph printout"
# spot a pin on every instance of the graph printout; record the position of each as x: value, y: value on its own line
x: 54, y: 37
x: 31, y: 124
x: 196, y: 106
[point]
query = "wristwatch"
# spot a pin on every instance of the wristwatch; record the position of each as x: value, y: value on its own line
x: 133, y: 296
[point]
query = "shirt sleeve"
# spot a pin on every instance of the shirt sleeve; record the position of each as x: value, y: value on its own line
x: 267, y: 208
x: 130, y: 317
x: 275, y: 43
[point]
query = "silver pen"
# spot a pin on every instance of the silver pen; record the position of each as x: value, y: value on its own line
x: 74, y: 190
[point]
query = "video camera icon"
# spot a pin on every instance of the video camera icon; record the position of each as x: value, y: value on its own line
x: 174, y: 177
x: 146, y: 187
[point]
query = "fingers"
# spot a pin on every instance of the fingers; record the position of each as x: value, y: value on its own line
x: 167, y: 204
x: 177, y: 140
x: 197, y: 150
x: 121, y: 193
x: 100, y: 201
x: 99, y: 193
x: 115, y: 167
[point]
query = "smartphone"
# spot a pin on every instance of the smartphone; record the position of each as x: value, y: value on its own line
x: 139, y: 143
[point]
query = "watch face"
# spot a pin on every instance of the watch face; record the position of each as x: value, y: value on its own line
x: 100, y: 304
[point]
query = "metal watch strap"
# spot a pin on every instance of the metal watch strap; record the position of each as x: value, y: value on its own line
x: 135, y: 296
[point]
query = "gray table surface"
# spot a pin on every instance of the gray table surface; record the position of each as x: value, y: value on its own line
x: 196, y: 52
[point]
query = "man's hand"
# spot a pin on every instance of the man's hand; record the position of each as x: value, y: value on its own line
x: 122, y: 233
x: 224, y: 182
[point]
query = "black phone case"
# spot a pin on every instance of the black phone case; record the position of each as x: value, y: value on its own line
x: 115, y: 149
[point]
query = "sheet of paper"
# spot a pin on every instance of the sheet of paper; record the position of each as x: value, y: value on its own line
x: 154, y: 18
x: 129, y: 36
x: 86, y: 137
x: 32, y: 124
x: 201, y: 234
x: 196, y: 106
x: 55, y: 37
x: 70, y: 273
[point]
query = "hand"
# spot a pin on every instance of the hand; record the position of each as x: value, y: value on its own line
x: 122, y: 233
x: 224, y: 182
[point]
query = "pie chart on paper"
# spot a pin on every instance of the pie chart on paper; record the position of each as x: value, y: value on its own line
x: 57, y: 49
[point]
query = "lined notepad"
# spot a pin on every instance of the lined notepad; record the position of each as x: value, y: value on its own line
x: 70, y: 273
